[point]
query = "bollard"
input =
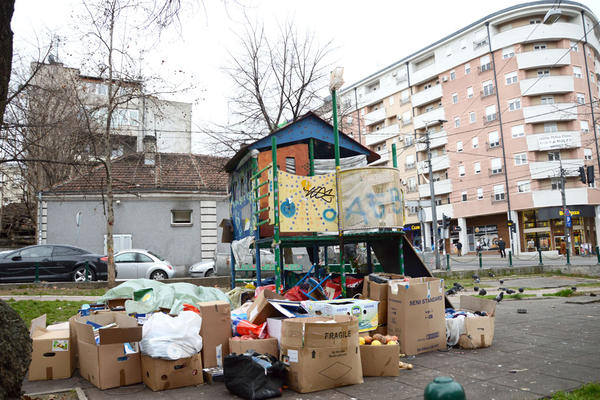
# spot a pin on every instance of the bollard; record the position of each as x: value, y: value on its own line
x: 568, y: 256
x: 510, y: 264
x: 447, y: 262
x: 37, y: 273
x: 87, y: 271
x: 480, y: 262
x: 598, y: 253
x: 540, y: 253
x: 444, y: 388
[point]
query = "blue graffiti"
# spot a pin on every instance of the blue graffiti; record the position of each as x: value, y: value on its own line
x: 376, y: 205
x: 288, y: 208
x: 358, y: 211
x: 329, y: 214
x: 395, y: 195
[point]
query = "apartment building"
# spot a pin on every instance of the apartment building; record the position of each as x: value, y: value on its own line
x: 506, y: 103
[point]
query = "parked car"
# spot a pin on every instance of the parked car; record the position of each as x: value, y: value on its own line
x: 137, y: 263
x: 54, y: 263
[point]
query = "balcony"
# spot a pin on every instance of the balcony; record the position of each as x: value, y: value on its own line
x: 439, y: 187
x: 547, y: 85
x: 551, y: 169
x: 385, y: 157
x: 552, y: 198
x: 376, y: 137
x: 431, y: 116
x: 554, y: 141
x: 391, y: 130
x: 439, y: 163
x: 427, y: 96
x: 494, y: 145
x: 446, y: 209
x: 543, y: 58
x: 375, y: 116
x: 489, y: 118
x: 377, y: 95
x: 550, y: 112
x: 498, y: 197
x: 437, y: 139
x: 484, y: 68
x: 538, y: 33
x: 423, y: 74
x: 488, y: 92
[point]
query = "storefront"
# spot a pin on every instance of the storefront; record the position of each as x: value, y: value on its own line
x: 485, y: 231
x: 544, y: 229
x: 413, y: 234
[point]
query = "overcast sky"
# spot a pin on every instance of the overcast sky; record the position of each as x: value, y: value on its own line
x: 368, y: 35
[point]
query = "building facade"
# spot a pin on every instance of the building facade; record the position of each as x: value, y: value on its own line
x: 508, y: 108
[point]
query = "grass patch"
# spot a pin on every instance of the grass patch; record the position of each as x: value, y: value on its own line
x: 516, y: 296
x: 589, y: 391
x: 564, y: 293
x: 56, y: 311
x: 31, y: 290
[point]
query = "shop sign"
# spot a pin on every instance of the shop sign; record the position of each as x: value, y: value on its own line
x: 412, y: 227
x: 569, y: 221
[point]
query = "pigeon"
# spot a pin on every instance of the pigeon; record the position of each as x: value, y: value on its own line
x: 501, y: 282
x: 499, y: 297
x: 475, y: 277
x: 574, y: 288
x: 476, y: 289
x: 593, y: 294
x: 450, y: 292
x: 509, y: 291
x: 482, y: 292
x: 502, y: 289
x: 477, y: 280
x: 521, y: 290
x: 491, y: 274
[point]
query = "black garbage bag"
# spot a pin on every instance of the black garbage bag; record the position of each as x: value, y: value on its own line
x: 254, y: 376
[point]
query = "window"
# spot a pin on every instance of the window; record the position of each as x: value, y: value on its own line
x: 464, y: 196
x: 550, y: 127
x: 406, y: 117
x: 467, y: 69
x: 514, y: 104
x: 484, y: 64
x: 520, y: 158
x: 543, y: 72
x: 142, y: 258
x: 101, y: 89
x: 65, y: 251
x: 179, y: 217
x: 427, y: 86
x: 508, y: 52
x: 405, y: 96
x: 592, y: 77
x: 577, y: 72
x: 475, y: 142
x: 580, y: 98
x: 412, y: 184
x: 498, y: 192
x: 547, y: 100
x: 459, y: 146
x: 493, y: 139
x: 290, y: 165
x: 472, y: 117
x: 410, y: 161
x: 539, y: 46
x: 553, y: 155
x: 479, y: 193
x: 556, y: 184
x: 584, y: 126
x: 126, y: 258
x: 574, y: 46
x: 456, y: 122
x: 391, y: 100
x: 534, y: 21
x: 454, y: 98
x: 488, y: 88
x: 469, y: 92
x: 587, y: 154
x: 452, y: 75
x: 511, y: 78
x: 490, y: 113
x: 408, y: 140
x: 523, y: 186
x: 477, y: 167
x: 461, y: 170
x: 496, y: 165
x: 518, y: 131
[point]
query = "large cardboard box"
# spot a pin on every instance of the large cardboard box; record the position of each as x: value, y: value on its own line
x: 379, y: 291
x: 380, y: 360
x: 215, y: 331
x: 160, y: 374
x: 363, y: 309
x: 479, y: 331
x: 321, y: 355
x: 262, y: 346
x: 53, y: 356
x: 261, y: 309
x: 416, y: 314
x: 106, y: 363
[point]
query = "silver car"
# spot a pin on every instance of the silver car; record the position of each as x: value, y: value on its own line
x: 137, y: 264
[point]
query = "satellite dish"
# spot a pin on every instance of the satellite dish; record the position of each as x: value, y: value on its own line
x: 51, y: 59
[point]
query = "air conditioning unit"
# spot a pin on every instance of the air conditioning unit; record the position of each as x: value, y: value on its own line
x: 444, y: 79
x: 403, y: 182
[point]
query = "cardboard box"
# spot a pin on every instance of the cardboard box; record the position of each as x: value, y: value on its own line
x: 261, y: 309
x: 53, y: 356
x: 379, y: 291
x: 215, y: 331
x: 262, y: 346
x: 416, y: 314
x: 380, y: 360
x: 364, y: 310
x: 321, y: 355
x: 479, y: 331
x: 274, y: 325
x: 106, y: 364
x: 160, y: 374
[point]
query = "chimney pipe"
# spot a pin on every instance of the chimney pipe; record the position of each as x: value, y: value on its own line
x: 149, y: 143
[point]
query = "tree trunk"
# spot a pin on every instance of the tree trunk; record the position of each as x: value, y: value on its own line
x: 110, y: 219
x: 7, y: 7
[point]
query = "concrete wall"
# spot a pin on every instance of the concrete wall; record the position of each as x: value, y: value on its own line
x: 148, y: 220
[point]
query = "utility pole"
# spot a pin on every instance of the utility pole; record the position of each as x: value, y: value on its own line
x: 434, y: 223
x: 564, y: 207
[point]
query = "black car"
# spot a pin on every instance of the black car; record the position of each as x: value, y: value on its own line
x: 54, y: 263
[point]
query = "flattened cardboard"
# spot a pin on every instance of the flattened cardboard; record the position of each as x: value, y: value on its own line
x: 215, y: 331
x: 52, y: 356
x: 274, y: 326
x: 416, y: 314
x: 262, y: 346
x: 261, y: 309
x: 380, y: 360
x: 379, y: 291
x: 160, y: 374
x: 321, y: 355
x: 479, y: 331
x: 363, y: 309
x: 116, y: 303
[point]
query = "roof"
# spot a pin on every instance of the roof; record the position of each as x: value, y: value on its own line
x: 171, y: 172
x: 309, y: 125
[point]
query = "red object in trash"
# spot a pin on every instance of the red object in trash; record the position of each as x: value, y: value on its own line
x: 259, y: 289
x: 295, y: 294
x: 245, y: 328
x: 189, y: 307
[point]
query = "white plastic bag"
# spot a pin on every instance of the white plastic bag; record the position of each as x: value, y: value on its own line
x: 172, y: 338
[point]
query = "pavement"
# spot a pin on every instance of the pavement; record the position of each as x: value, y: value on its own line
x: 551, y: 348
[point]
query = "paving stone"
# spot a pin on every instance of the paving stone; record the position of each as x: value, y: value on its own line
x: 535, y: 382
x: 489, y: 391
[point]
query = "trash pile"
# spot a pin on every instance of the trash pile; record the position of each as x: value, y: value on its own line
x: 255, y: 340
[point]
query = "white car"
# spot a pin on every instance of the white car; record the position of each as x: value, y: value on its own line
x: 202, y: 269
x: 137, y: 264
x: 207, y: 268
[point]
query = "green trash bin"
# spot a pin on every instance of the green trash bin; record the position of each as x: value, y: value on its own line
x: 444, y: 388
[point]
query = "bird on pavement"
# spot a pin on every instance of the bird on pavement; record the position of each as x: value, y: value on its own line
x: 482, y: 292
x: 521, y: 290
x: 491, y: 274
x: 499, y: 297
x: 476, y: 288
x: 574, y: 288
x: 450, y: 292
x: 501, y: 282
x: 509, y: 291
x: 475, y: 277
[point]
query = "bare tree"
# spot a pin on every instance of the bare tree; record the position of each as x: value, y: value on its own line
x: 7, y: 8
x: 276, y: 81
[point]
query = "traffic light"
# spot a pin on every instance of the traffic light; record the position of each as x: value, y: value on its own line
x: 590, y: 174
x: 445, y: 221
x: 582, y: 175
